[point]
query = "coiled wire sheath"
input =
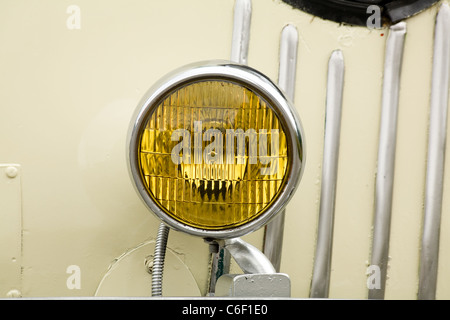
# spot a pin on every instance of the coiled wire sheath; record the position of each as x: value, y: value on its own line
x: 158, y: 259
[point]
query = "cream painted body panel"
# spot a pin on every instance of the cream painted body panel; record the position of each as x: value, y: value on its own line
x: 67, y: 97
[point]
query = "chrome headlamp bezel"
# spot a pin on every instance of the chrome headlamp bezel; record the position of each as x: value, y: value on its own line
x: 252, y: 79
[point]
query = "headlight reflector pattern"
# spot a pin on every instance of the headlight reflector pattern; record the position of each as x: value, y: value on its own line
x: 213, y: 154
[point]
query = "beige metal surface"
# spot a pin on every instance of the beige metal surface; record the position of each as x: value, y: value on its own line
x: 67, y: 95
x: 10, y: 230
x: 125, y: 276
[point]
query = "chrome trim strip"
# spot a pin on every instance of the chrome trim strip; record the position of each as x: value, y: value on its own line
x: 241, y: 31
x: 386, y: 154
x: 288, y: 60
x: 273, y: 240
x: 436, y: 156
x: 322, y: 263
x: 249, y: 258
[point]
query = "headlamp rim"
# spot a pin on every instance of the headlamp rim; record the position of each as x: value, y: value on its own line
x: 252, y: 79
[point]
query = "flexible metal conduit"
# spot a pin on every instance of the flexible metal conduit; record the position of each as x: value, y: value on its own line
x: 158, y: 259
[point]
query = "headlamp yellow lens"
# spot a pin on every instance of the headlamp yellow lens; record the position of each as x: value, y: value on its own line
x: 212, y: 154
x: 215, y: 149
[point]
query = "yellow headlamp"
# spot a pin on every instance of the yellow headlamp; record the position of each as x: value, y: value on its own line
x: 215, y: 149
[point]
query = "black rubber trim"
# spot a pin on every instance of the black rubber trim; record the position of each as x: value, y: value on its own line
x: 354, y: 12
x: 402, y: 9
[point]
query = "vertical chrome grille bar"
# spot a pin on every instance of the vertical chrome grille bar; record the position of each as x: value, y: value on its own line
x: 273, y: 240
x: 386, y: 154
x: 436, y: 156
x: 220, y: 263
x: 241, y: 31
x: 288, y: 60
x: 322, y: 263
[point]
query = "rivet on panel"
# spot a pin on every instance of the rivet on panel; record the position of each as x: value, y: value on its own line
x: 14, y: 293
x: 149, y: 263
x: 11, y: 172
